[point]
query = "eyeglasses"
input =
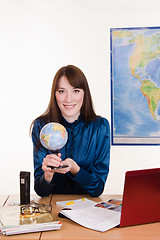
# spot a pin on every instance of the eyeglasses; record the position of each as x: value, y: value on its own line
x: 35, y: 208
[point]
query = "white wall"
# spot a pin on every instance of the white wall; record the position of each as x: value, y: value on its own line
x: 37, y: 37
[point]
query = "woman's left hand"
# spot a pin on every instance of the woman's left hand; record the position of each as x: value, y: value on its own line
x: 72, y: 167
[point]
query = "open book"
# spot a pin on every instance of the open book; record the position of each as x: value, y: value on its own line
x: 96, y: 216
x: 12, y: 222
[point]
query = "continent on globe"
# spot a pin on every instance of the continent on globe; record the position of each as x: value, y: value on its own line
x: 59, y: 127
x: 53, y: 136
x: 45, y: 139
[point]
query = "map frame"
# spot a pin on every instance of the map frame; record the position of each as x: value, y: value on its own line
x: 126, y: 140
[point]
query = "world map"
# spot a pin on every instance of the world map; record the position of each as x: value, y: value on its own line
x: 135, y: 83
x: 53, y: 136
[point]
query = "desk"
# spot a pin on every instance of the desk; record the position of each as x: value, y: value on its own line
x: 73, y: 231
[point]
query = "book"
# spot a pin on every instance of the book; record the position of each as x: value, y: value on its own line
x: 100, y: 216
x: 12, y: 222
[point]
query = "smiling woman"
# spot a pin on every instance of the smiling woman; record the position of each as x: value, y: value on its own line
x: 87, y: 151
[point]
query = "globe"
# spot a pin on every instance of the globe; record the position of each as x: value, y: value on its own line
x: 53, y: 136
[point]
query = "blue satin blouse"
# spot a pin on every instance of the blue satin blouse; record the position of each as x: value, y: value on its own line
x: 89, y: 146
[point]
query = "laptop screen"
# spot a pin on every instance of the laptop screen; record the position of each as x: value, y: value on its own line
x: 141, y: 197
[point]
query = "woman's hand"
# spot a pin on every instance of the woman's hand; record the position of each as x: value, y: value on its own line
x: 72, y: 166
x: 56, y: 161
x: 51, y: 160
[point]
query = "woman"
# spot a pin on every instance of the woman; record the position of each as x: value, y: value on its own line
x: 87, y: 151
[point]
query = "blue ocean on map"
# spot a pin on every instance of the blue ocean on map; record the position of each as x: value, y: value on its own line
x: 132, y: 117
x: 153, y: 70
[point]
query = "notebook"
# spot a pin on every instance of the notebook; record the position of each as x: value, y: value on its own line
x: 141, y: 197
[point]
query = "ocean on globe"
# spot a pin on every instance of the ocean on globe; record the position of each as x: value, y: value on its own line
x: 53, y: 136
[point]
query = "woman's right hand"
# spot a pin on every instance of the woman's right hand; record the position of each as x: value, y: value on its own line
x: 51, y: 160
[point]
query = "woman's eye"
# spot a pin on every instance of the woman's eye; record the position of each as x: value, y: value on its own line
x: 61, y: 91
x: 76, y: 90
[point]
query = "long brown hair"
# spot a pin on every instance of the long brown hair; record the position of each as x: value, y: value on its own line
x: 77, y: 79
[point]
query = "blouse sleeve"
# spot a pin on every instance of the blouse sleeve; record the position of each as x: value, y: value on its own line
x: 93, y: 182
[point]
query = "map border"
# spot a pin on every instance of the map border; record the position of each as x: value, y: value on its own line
x: 115, y: 140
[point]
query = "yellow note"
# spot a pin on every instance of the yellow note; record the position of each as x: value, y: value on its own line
x: 69, y: 203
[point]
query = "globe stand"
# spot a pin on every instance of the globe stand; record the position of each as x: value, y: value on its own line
x: 55, y: 151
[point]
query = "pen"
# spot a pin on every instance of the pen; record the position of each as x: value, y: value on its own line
x: 72, y: 202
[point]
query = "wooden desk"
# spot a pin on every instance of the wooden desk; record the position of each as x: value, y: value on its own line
x: 3, y: 199
x: 73, y: 231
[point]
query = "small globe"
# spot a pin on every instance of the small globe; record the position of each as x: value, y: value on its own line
x: 53, y: 136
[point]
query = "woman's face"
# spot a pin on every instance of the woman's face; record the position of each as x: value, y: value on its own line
x: 69, y: 99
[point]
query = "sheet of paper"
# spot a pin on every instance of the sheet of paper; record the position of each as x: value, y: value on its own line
x: 76, y: 204
x: 95, y: 218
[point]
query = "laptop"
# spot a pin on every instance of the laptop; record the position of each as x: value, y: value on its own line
x: 141, y: 197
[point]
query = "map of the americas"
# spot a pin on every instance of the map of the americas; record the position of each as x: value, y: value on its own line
x: 135, y: 56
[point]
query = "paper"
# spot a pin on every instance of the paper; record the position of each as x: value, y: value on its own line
x: 95, y: 218
x: 76, y: 204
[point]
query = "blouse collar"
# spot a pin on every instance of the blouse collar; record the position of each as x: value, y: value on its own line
x: 72, y: 125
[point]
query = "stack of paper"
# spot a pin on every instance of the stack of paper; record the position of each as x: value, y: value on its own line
x: 12, y: 222
x: 94, y: 216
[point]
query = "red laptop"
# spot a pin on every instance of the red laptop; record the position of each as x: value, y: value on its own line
x: 141, y: 197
